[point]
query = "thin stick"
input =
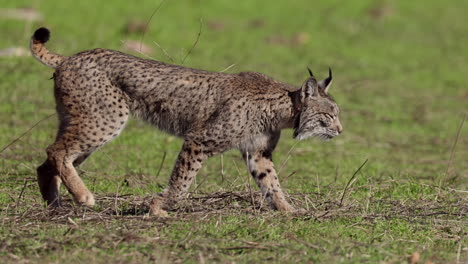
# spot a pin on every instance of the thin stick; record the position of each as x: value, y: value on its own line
x: 21, y: 193
x: 195, y: 43
x: 26, y: 132
x: 161, y: 165
x: 288, y: 155
x: 351, y: 181
x: 452, y: 153
x: 149, y: 20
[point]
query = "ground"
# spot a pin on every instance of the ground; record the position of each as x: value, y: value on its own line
x: 399, y: 77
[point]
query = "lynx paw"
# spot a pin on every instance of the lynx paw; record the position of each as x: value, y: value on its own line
x: 156, y: 208
x: 86, y: 200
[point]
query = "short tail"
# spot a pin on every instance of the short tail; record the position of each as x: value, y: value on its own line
x: 40, y: 52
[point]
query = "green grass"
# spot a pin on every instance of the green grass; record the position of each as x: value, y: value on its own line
x: 399, y: 77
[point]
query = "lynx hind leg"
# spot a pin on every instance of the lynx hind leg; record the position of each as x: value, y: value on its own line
x: 49, y: 183
x: 49, y: 180
x: 77, y: 138
x: 91, y: 111
x: 59, y: 168
x: 261, y: 167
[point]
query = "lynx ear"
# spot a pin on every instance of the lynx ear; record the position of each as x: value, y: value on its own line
x: 325, y: 84
x: 309, y: 88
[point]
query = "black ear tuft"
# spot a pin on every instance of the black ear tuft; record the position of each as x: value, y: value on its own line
x: 310, y: 72
x: 329, y: 79
x: 42, y: 35
x: 325, y: 84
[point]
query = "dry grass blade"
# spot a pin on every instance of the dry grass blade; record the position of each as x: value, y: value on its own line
x: 222, y: 167
x: 228, y: 67
x: 130, y: 45
x: 351, y: 181
x: 308, y: 244
x: 164, y: 51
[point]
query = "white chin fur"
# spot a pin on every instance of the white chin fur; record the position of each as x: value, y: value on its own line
x: 303, y: 136
x: 323, y: 137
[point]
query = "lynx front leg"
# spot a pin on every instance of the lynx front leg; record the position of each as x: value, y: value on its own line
x: 187, y: 165
x: 261, y: 167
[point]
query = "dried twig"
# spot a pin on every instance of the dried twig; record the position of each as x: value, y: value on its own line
x: 161, y: 165
x: 288, y: 155
x: 452, y: 153
x: 195, y: 43
x: 26, y: 132
x: 245, y: 247
x: 21, y: 193
x: 149, y: 20
x: 287, y: 177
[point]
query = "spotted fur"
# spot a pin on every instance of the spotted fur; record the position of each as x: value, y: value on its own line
x: 97, y: 90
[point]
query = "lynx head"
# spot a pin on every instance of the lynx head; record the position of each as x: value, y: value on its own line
x: 318, y: 112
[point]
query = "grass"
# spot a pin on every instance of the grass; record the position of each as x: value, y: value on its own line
x: 399, y: 77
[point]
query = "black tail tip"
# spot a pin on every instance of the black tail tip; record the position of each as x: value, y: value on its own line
x: 42, y: 35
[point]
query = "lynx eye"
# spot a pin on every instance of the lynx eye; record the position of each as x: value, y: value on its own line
x: 322, y: 123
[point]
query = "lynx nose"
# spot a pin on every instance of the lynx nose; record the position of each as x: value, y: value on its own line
x: 339, y: 128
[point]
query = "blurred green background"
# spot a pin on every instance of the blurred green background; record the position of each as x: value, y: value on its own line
x: 399, y: 77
